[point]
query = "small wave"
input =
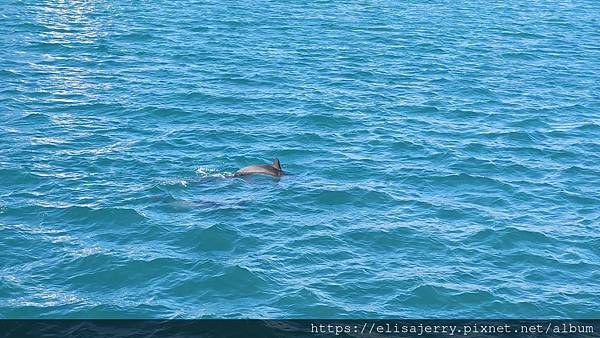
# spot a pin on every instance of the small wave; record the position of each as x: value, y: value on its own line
x: 213, y: 238
x: 20, y: 176
x: 513, y: 135
x: 231, y: 277
x: 588, y: 127
x: 512, y: 237
x: 10, y: 73
x: 219, y: 279
x: 532, y: 122
x: 47, y: 141
x: 9, y: 130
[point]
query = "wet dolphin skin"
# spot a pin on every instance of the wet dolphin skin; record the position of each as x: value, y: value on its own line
x: 273, y: 169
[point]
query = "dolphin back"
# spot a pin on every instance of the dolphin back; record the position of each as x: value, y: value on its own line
x: 264, y: 169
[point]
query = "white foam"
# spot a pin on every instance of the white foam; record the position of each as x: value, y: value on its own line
x: 208, y: 172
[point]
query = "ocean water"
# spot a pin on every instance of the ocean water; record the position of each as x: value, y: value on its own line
x: 444, y: 159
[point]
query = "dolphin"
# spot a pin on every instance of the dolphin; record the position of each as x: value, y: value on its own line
x: 264, y: 169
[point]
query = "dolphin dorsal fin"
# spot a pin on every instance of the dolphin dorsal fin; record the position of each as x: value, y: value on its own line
x: 276, y: 164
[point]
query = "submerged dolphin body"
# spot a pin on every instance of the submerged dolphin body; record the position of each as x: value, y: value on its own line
x: 264, y: 169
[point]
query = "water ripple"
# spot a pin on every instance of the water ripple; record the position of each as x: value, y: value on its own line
x: 443, y: 159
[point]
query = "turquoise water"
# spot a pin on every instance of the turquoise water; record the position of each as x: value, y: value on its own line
x: 445, y: 159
